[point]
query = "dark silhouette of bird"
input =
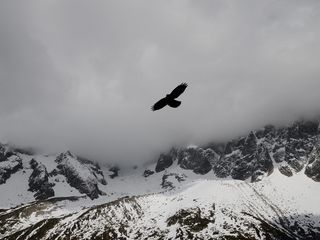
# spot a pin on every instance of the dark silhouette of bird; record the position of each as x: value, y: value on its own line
x: 170, y: 98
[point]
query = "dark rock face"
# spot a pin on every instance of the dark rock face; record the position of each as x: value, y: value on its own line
x: 313, y: 167
x: 169, y: 179
x: 8, y: 166
x: 193, y: 219
x: 2, y: 152
x: 285, y: 170
x: 263, y: 164
x: 166, y: 160
x: 196, y: 159
x: 148, y: 173
x: 96, y: 170
x: 252, y: 156
x: 246, y: 160
x: 249, y: 147
x: 5, y: 152
x: 39, y: 181
x: 81, y: 175
x: 53, y: 173
x: 279, y: 155
x: 222, y: 168
x: 300, y: 140
x: 241, y: 170
x: 115, y: 172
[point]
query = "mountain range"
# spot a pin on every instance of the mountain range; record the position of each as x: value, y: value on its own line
x: 265, y: 185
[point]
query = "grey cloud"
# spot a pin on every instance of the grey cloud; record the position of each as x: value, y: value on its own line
x: 83, y: 75
x: 29, y: 78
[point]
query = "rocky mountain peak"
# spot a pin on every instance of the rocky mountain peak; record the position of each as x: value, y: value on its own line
x: 195, y: 159
x: 250, y: 144
x: 82, y: 175
x: 313, y: 166
x: 252, y: 156
x: 10, y: 163
x: 2, y: 152
x: 39, y: 181
x: 166, y: 160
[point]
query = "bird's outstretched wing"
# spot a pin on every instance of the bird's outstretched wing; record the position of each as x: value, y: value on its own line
x: 178, y: 90
x: 174, y: 103
x: 160, y: 104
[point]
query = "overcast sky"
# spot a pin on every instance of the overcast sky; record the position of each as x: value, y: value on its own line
x: 82, y: 75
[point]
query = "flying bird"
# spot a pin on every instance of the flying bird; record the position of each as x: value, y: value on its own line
x: 170, y: 98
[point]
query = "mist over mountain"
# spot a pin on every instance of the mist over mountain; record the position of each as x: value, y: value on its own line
x: 82, y: 76
x: 263, y: 185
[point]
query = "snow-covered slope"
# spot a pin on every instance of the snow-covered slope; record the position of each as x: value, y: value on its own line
x: 277, y: 207
x: 261, y: 186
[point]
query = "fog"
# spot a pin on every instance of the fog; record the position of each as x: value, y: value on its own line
x: 82, y: 75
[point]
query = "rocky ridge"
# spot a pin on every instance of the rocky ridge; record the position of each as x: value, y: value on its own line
x: 81, y: 174
x: 254, y: 156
